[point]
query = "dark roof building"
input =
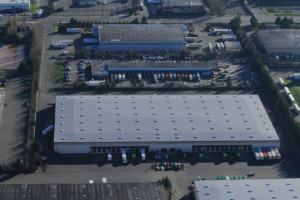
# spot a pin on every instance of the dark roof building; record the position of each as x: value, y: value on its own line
x: 139, y: 37
x: 95, y: 191
x: 182, y: 6
x: 280, y: 41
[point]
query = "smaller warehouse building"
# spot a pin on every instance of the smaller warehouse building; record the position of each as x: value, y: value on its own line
x: 182, y: 6
x: 14, y: 5
x: 101, y: 70
x: 233, y: 46
x: 138, y: 38
x: 251, y: 189
x: 280, y: 42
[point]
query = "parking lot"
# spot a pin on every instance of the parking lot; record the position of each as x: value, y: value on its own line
x: 14, y: 120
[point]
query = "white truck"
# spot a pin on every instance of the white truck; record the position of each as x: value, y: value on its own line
x: 256, y: 154
x: 278, y: 155
x: 155, y: 78
x: 291, y: 98
x: 124, y: 158
x: 273, y: 153
x: 287, y: 91
x: 281, y: 81
x: 210, y: 47
x: 139, y: 77
x: 296, y: 107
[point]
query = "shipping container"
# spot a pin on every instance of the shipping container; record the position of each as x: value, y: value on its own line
x: 266, y: 156
x: 261, y: 154
x: 281, y: 81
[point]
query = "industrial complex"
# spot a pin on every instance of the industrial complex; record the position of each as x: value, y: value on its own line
x: 15, y: 5
x: 213, y: 123
x: 280, y: 42
x: 254, y: 189
x: 145, y: 38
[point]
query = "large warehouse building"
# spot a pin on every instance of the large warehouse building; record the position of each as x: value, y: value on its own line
x: 251, y: 189
x: 281, y: 42
x: 99, y: 124
x: 14, y: 5
x: 147, y: 38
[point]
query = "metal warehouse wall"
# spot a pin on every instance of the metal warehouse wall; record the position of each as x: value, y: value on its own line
x: 139, y: 46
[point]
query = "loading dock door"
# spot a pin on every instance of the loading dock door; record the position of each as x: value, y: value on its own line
x: 109, y: 156
x: 143, y: 154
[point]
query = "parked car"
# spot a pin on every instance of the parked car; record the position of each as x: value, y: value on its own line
x: 251, y: 174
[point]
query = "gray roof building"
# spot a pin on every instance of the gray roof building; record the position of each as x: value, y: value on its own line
x: 251, y: 189
x: 139, y: 33
x: 95, y: 191
x: 139, y: 37
x: 280, y: 41
x: 157, y: 119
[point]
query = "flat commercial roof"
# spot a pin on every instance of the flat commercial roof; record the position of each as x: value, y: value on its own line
x: 141, y: 33
x: 251, y: 189
x: 280, y: 38
x: 161, y: 118
x: 171, y: 3
x: 95, y: 191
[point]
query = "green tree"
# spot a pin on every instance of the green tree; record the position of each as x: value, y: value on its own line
x: 135, y: 21
x: 291, y: 21
x: 253, y: 22
x: 144, y: 20
x: 19, y: 166
x: 278, y: 21
x: 285, y: 23
x: 62, y: 28
x: 229, y: 82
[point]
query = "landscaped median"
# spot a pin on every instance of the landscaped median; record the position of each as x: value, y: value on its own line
x: 57, y: 72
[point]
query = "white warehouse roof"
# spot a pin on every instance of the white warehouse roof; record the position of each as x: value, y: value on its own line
x: 160, y: 118
x: 251, y: 189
